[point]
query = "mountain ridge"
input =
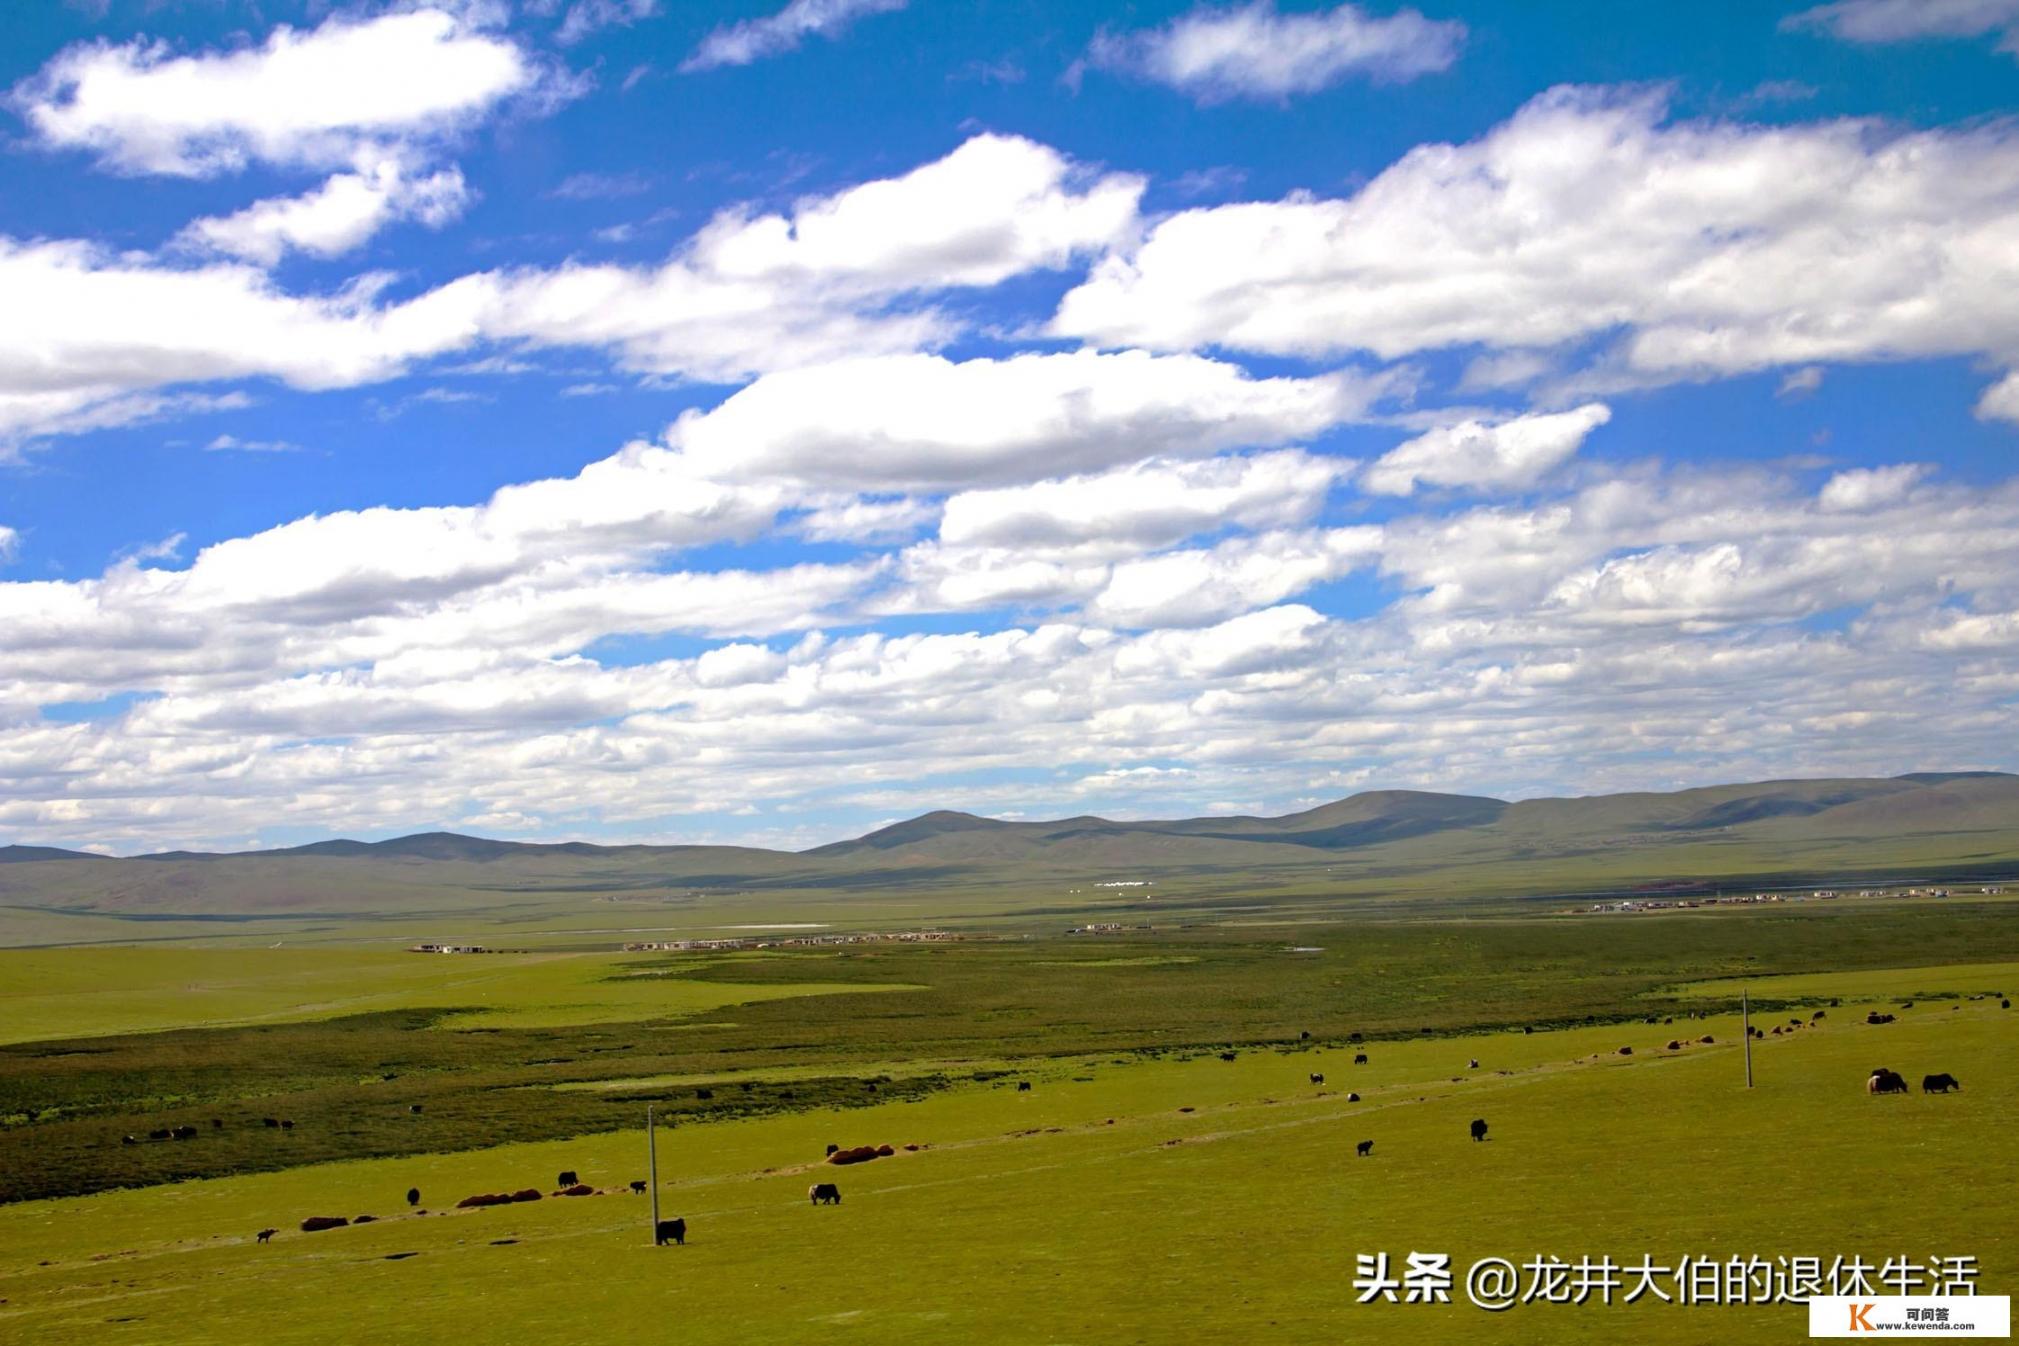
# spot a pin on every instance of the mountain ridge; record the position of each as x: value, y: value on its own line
x: 1365, y: 818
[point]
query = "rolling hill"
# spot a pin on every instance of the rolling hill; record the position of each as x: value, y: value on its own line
x: 1387, y: 843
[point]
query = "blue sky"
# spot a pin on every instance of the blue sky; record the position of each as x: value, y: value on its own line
x: 630, y: 420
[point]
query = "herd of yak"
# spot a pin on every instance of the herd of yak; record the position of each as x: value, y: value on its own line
x: 568, y: 1183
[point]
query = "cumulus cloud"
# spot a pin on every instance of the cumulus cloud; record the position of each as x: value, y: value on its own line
x: 1568, y: 641
x: 301, y: 97
x: 1886, y: 21
x: 752, y: 292
x: 342, y: 214
x: 1710, y: 248
x: 922, y: 422
x: 1254, y: 52
x: 776, y: 34
x: 1501, y: 455
x: 1154, y: 503
x: 1869, y: 487
x: 87, y: 337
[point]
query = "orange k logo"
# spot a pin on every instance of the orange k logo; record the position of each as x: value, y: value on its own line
x: 1859, y: 1322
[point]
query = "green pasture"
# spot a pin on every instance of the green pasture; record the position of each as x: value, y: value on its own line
x: 68, y: 993
x: 1126, y: 1197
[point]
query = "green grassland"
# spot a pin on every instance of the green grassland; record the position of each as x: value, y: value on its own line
x: 1144, y: 1189
x: 1132, y: 1200
x: 47, y: 993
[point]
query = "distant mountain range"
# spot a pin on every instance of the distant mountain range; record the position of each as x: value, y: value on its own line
x: 1399, y: 842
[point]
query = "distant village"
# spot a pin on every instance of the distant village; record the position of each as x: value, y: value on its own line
x: 1644, y: 904
x: 799, y: 941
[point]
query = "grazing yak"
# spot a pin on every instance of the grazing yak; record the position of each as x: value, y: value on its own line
x: 1304, y: 1036
x: 414, y: 1108
x: 1363, y: 1149
x: 160, y: 1133
x: 129, y: 1140
x: 1479, y: 1128
x: 1883, y: 1081
x: 266, y: 1235
x: 1939, y: 1084
x: 1474, y: 1064
x: 638, y: 1187
x: 824, y: 1192
x: 1819, y: 1014
x: 1317, y: 1079
x: 567, y: 1179
x: 287, y: 1123
x: 315, y: 1222
x: 413, y: 1196
x: 1877, y: 1018
x: 670, y: 1231
x: 1352, y: 1098
x: 1023, y: 1086
x: 579, y: 1189
x: 1360, y: 1058
x: 270, y: 1121
x: 1626, y: 1051
x: 1227, y: 1056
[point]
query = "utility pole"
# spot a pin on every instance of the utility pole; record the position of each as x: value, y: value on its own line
x: 652, y: 1170
x: 1746, y: 1022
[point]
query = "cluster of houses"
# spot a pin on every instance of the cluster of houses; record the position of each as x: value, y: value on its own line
x: 1635, y: 904
x: 448, y: 948
x: 797, y: 941
x: 1108, y: 928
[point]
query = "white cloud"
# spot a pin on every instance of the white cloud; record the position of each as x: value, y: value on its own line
x: 1154, y: 503
x: 1203, y: 586
x: 1885, y: 21
x: 1500, y: 455
x: 87, y: 337
x: 754, y: 292
x: 1644, y: 624
x: 858, y: 519
x: 2001, y: 400
x: 1800, y: 382
x: 233, y: 444
x: 776, y: 34
x: 1254, y: 52
x: 586, y: 16
x: 921, y: 422
x: 311, y: 97
x: 336, y: 217
x: 1710, y: 248
x: 1867, y: 488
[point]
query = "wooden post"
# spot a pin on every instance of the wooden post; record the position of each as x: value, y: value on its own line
x: 1746, y: 1027
x: 652, y: 1171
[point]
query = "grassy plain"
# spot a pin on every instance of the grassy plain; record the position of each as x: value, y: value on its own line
x: 1144, y: 1190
